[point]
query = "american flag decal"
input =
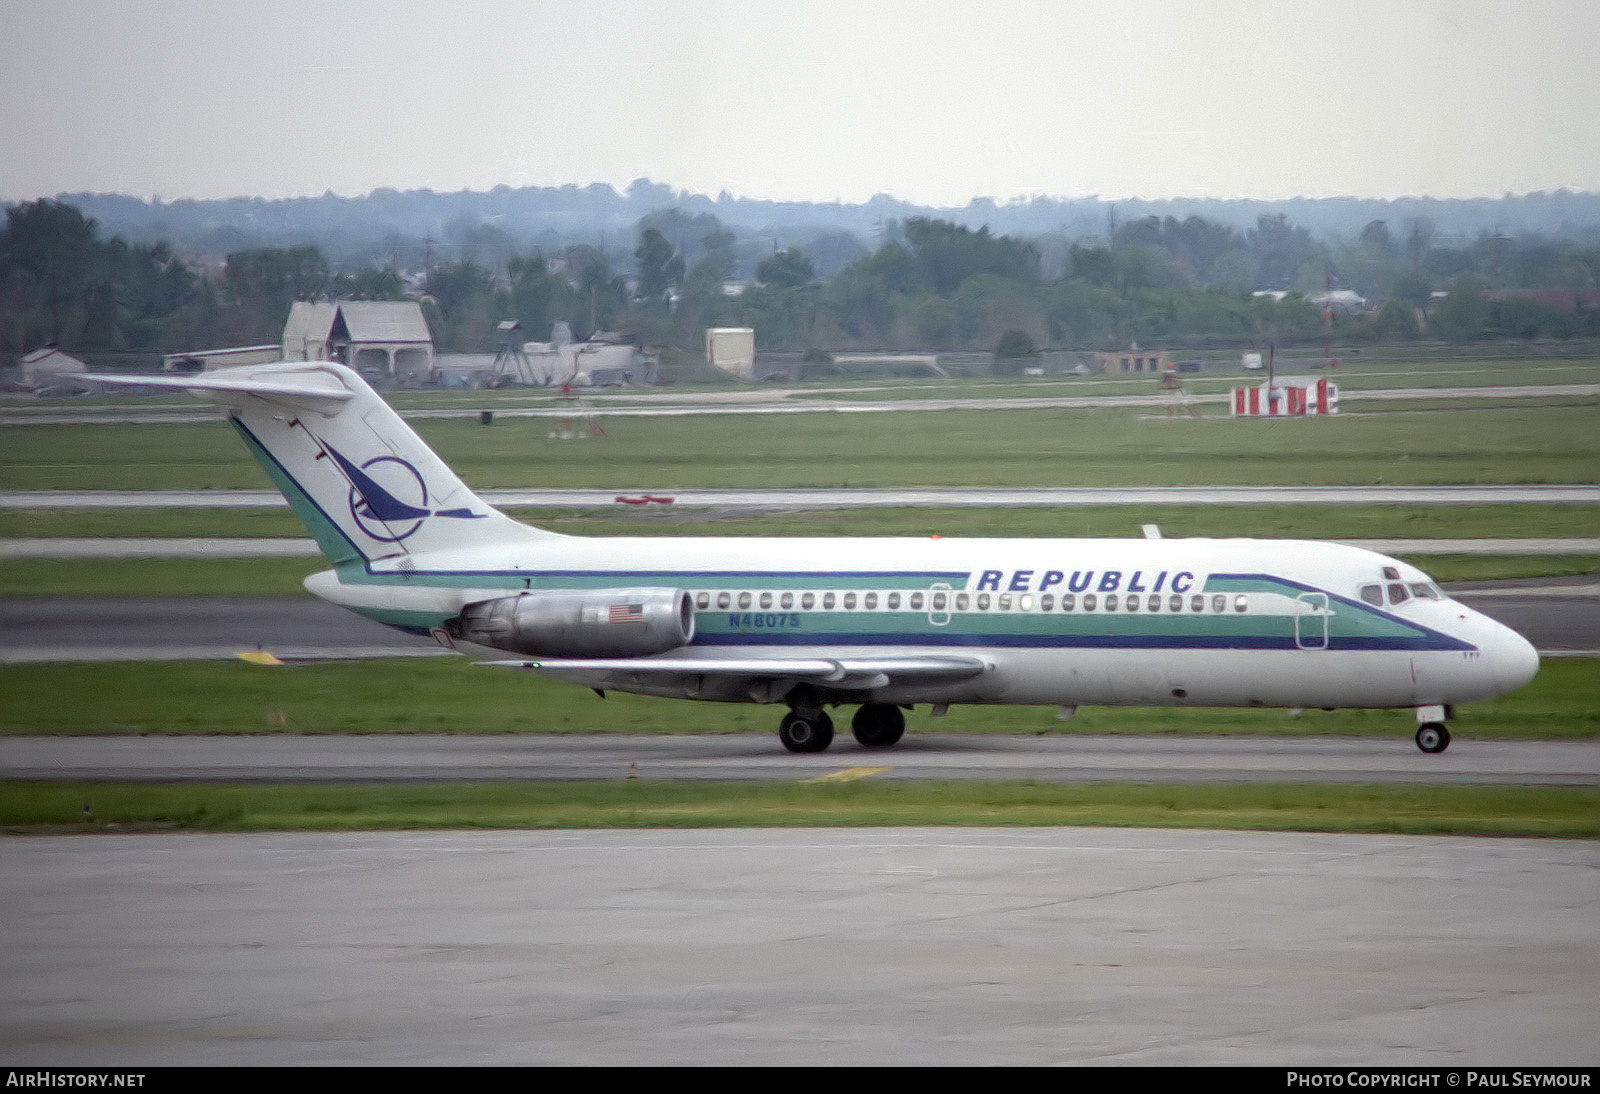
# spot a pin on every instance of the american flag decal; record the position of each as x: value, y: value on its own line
x: 627, y: 613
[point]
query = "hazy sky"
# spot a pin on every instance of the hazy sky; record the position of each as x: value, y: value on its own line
x: 818, y: 99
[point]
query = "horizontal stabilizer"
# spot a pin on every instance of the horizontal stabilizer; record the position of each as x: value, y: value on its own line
x: 297, y: 385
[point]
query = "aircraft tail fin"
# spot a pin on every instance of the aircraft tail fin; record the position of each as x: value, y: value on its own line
x: 365, y: 485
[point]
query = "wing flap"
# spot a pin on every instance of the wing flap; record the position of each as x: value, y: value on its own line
x: 671, y: 668
x: 855, y: 673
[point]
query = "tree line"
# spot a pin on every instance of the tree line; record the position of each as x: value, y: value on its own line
x: 926, y: 284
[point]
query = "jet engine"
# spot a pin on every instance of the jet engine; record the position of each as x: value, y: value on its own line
x: 598, y: 623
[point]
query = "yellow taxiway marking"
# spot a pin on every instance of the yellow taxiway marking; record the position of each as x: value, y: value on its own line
x: 848, y: 774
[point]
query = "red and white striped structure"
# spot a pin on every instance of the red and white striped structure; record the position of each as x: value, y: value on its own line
x: 1291, y: 398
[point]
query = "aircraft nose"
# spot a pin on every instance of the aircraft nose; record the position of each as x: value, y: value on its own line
x: 1512, y: 659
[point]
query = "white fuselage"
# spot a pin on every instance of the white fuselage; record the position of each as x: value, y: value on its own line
x: 1199, y: 622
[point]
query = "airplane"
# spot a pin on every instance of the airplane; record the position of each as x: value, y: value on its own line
x: 881, y: 624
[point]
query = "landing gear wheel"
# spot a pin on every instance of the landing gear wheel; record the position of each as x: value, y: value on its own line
x: 878, y: 725
x: 1433, y: 737
x: 805, y: 732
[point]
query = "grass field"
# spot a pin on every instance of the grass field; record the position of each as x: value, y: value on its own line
x: 1353, y: 378
x: 1366, y: 369
x: 156, y: 576
x: 1423, y: 810
x: 1102, y: 447
x: 1266, y: 521
x: 451, y: 695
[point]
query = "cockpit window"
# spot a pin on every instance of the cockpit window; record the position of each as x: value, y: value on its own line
x: 1398, y: 593
x: 1425, y: 590
x: 1372, y: 594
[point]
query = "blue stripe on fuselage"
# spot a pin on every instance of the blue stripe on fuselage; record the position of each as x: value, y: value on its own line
x: 945, y: 637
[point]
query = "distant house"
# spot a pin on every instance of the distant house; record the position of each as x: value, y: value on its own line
x: 383, y: 336
x: 1340, y: 300
x: 305, y: 335
x: 389, y: 337
x: 1146, y: 362
x: 48, y: 371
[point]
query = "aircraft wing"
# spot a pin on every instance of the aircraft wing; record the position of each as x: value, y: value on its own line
x: 854, y: 673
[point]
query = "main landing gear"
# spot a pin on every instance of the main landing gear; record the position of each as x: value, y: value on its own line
x: 1432, y: 736
x: 807, y: 729
x: 878, y: 725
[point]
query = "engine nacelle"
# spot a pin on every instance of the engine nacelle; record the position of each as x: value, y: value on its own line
x: 600, y: 623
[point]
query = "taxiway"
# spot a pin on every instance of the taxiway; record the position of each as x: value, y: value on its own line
x: 806, y: 947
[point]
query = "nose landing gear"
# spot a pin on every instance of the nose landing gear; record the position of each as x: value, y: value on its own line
x: 1432, y: 736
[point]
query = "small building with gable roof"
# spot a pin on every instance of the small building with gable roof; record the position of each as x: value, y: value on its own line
x: 387, y: 338
x: 48, y: 371
x: 305, y: 334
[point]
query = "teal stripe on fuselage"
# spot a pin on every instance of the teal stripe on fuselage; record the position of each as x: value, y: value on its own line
x: 1351, y: 625
x: 413, y: 622
x: 1350, y: 622
x: 331, y: 540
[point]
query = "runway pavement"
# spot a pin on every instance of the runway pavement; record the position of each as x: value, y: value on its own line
x: 1062, y: 757
x: 48, y: 628
x: 805, y: 947
x: 910, y: 497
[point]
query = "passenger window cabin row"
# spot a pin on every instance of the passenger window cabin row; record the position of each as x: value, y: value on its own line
x: 939, y: 601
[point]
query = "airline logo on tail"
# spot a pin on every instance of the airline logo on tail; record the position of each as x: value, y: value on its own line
x: 388, y: 497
